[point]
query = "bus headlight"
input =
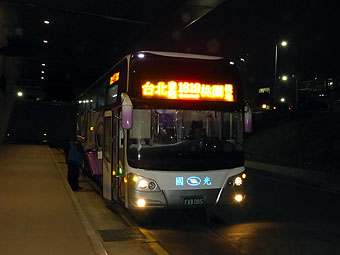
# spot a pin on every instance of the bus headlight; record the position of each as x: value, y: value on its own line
x: 143, y: 184
x: 238, y: 198
x: 152, y: 186
x: 141, y: 202
x: 238, y: 181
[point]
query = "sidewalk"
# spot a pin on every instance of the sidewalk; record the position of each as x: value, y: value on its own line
x: 37, y: 215
x: 318, y: 179
x: 117, y: 231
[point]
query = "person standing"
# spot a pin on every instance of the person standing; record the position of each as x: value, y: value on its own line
x: 75, y: 159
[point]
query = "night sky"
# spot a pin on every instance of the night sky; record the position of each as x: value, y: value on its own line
x: 86, y: 46
x: 240, y: 28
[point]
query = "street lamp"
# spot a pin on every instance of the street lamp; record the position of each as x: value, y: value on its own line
x: 283, y: 44
x: 285, y: 78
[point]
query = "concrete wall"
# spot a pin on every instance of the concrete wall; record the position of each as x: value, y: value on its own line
x: 42, y: 122
x: 6, y: 106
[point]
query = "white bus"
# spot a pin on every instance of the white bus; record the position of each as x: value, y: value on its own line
x: 166, y: 130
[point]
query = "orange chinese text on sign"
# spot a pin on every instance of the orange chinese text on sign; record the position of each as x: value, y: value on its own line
x: 114, y: 78
x: 188, y: 90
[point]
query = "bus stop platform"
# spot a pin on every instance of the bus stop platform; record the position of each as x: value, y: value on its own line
x: 41, y: 215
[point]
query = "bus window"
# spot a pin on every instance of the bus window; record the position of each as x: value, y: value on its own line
x: 163, y: 139
x: 141, y: 130
x: 112, y: 95
x: 101, y: 96
x: 231, y: 131
x: 164, y: 128
x: 107, y: 138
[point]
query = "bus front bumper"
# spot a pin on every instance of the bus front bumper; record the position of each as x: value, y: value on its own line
x: 186, y: 198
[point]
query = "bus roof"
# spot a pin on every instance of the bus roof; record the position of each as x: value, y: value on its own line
x: 180, y: 55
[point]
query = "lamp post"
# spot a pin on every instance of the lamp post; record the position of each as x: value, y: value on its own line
x: 296, y: 92
x: 285, y: 78
x: 275, y: 89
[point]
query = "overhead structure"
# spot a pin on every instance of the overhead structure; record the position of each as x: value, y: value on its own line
x: 54, y: 49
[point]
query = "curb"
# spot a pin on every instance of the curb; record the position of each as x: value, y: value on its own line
x: 96, y: 244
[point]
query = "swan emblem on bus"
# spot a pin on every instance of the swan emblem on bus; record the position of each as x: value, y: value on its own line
x: 194, y: 181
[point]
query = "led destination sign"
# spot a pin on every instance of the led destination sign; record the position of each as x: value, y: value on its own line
x: 188, y: 90
x: 114, y: 78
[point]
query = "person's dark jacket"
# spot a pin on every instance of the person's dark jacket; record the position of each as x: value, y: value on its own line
x: 76, y: 154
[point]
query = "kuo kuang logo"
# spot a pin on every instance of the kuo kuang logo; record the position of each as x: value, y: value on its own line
x: 194, y: 181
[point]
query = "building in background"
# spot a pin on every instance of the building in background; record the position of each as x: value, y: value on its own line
x: 320, y: 94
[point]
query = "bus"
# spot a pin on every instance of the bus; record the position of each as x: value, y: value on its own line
x: 166, y: 130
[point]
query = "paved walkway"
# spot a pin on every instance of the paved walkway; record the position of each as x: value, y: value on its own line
x: 37, y: 215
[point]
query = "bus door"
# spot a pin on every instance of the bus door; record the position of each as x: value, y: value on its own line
x: 115, y: 147
x: 122, y: 177
x: 118, y: 169
x: 107, y: 153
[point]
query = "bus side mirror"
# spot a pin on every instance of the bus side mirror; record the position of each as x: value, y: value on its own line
x: 127, y: 109
x: 248, y: 119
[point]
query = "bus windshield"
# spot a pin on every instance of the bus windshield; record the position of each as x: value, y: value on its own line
x: 163, y: 139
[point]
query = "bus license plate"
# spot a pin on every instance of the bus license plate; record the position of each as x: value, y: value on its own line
x: 193, y: 201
